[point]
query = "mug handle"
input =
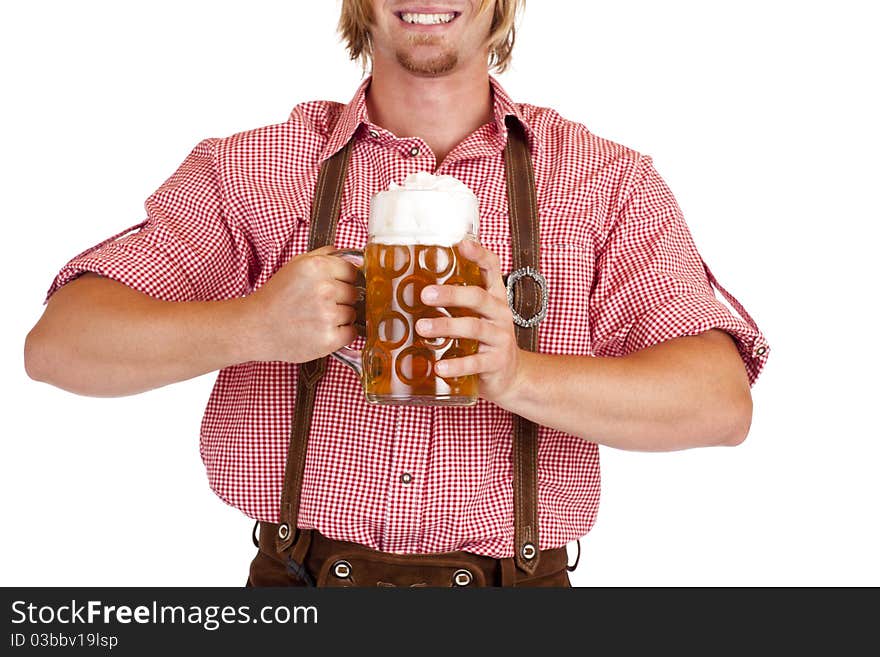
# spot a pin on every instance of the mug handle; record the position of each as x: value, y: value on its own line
x: 354, y: 357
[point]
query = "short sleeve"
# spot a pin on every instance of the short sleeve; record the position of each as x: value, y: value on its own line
x: 187, y: 249
x: 651, y: 284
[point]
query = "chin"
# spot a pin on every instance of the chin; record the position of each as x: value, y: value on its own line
x: 437, y: 65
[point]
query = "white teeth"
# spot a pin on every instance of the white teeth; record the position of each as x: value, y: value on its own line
x: 427, y: 19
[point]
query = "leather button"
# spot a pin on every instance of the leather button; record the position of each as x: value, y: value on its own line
x: 283, y: 531
x: 462, y: 577
x: 342, y: 569
x: 528, y: 551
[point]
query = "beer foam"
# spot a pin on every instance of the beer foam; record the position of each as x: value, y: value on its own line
x: 425, y: 209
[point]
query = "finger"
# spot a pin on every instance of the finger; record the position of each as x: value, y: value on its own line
x: 341, y: 270
x: 489, y: 265
x: 345, y: 293
x: 472, y: 328
x: 345, y: 315
x: 346, y: 334
x: 463, y: 296
x: 451, y: 368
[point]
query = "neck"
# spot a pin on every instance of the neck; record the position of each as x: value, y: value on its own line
x: 441, y: 110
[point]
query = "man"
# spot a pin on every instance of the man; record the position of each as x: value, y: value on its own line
x: 635, y: 351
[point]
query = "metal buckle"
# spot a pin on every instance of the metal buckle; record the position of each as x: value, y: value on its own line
x: 539, y: 279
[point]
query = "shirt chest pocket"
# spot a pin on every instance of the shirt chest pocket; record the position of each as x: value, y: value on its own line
x: 568, y: 269
x: 567, y: 262
x: 351, y: 230
x: 285, y: 230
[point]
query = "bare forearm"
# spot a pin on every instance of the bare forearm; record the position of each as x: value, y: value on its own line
x: 101, y: 338
x: 686, y: 392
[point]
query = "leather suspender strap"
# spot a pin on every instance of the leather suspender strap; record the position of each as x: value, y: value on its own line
x: 325, y: 211
x: 291, y: 543
x: 525, y: 249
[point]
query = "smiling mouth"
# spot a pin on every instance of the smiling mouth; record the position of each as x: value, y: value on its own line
x: 440, y: 18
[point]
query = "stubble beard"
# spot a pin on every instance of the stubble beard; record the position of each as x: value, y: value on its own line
x: 437, y: 65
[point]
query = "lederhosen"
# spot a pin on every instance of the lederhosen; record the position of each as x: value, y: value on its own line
x: 289, y: 555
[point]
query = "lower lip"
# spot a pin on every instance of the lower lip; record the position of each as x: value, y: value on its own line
x: 427, y: 28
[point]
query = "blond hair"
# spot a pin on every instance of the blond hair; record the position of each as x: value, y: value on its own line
x: 356, y: 16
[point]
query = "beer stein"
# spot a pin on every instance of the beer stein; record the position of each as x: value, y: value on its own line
x: 414, y: 232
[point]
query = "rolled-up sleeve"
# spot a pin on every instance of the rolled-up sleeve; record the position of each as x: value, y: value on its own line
x: 651, y: 284
x: 187, y: 249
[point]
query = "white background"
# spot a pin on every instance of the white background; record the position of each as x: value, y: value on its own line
x: 760, y: 115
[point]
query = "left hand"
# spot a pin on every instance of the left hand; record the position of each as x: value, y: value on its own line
x: 497, y: 361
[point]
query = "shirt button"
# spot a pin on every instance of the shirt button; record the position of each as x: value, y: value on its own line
x: 760, y: 351
x: 414, y: 151
x: 406, y: 478
x: 374, y: 134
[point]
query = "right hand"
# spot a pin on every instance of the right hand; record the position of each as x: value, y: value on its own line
x: 305, y: 310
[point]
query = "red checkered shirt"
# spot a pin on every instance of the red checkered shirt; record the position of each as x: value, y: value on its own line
x: 623, y: 274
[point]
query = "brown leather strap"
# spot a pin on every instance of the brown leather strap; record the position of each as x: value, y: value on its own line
x: 525, y: 249
x: 325, y: 212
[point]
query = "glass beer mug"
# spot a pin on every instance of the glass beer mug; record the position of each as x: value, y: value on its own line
x: 414, y: 230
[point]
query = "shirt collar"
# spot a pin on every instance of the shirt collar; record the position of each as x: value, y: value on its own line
x: 355, y: 113
x: 503, y: 107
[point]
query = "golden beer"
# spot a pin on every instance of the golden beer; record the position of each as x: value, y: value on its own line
x: 398, y: 363
x: 413, y: 236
